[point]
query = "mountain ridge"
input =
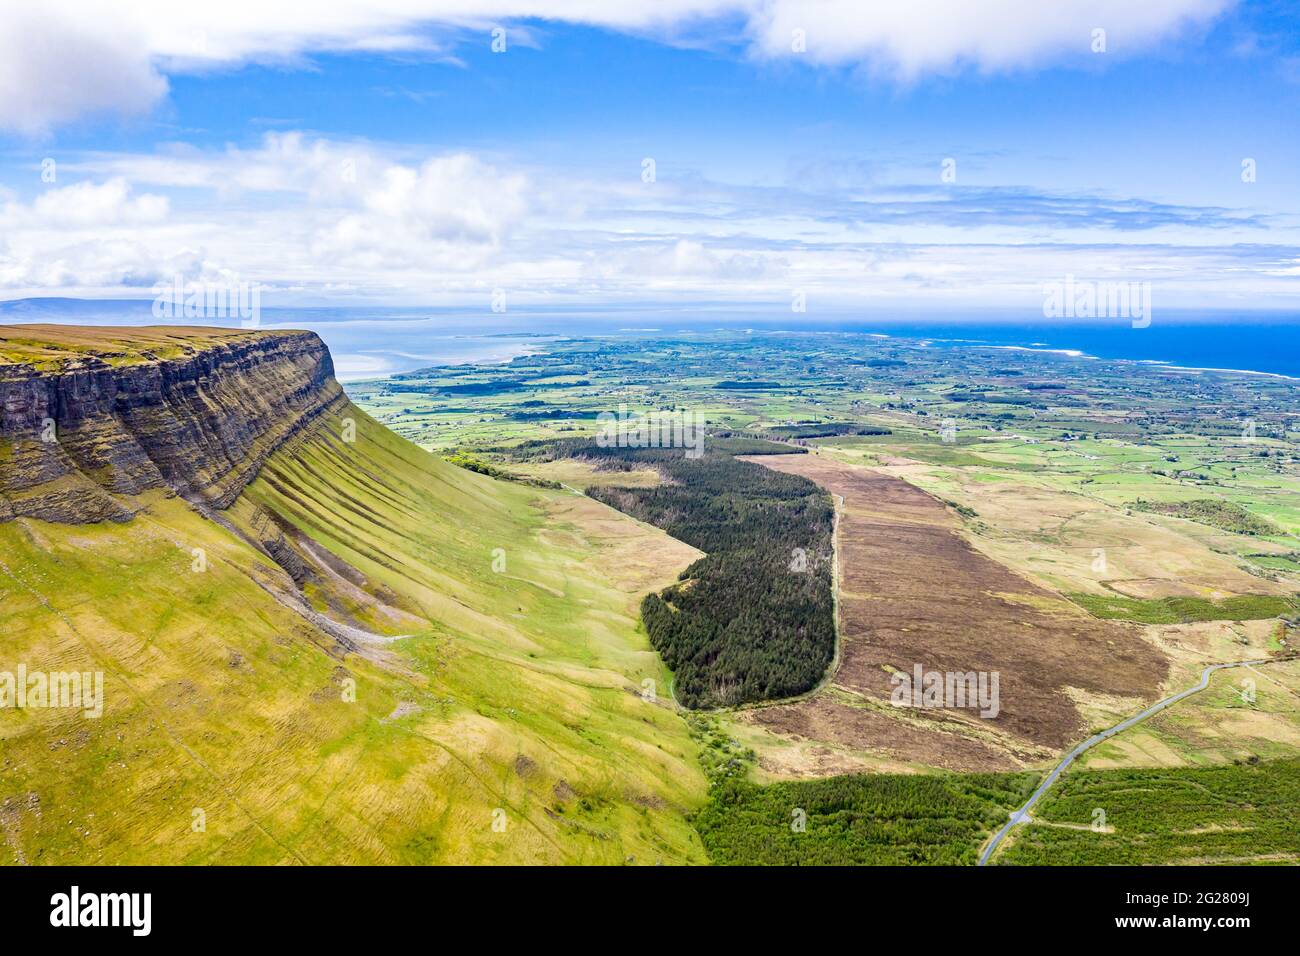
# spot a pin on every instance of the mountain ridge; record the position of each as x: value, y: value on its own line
x: 91, y: 420
x: 370, y: 655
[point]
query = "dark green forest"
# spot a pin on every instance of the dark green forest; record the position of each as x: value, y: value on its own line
x: 871, y: 819
x: 754, y: 618
x: 823, y: 430
x: 1236, y: 813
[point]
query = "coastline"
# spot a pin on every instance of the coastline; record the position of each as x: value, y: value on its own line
x: 504, y: 350
x: 500, y: 349
x: 1159, y: 364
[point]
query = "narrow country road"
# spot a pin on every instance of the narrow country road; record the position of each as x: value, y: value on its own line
x: 1022, y: 815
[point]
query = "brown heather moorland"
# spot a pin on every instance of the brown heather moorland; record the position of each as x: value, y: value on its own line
x: 913, y: 591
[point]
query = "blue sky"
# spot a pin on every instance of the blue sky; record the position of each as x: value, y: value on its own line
x: 384, y: 153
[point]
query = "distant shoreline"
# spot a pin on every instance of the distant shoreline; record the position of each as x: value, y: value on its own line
x: 1150, y: 363
x: 509, y: 352
x: 526, y: 344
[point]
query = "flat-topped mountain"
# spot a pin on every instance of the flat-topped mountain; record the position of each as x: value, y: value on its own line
x: 318, y: 643
x: 91, y: 417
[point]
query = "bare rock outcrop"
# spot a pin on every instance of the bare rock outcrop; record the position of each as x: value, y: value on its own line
x: 80, y: 438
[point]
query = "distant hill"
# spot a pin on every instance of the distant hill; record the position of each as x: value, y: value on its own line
x: 64, y: 309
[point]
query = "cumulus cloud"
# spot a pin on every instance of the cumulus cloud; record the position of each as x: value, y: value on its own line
x: 92, y: 235
x: 450, y: 197
x: 114, y: 264
x: 294, y: 211
x: 450, y: 213
x: 88, y: 204
x: 58, y: 64
x: 86, y: 234
x: 68, y: 58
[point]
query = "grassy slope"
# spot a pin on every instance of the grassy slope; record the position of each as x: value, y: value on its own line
x: 516, y: 687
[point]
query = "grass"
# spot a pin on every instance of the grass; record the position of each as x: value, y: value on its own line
x: 515, y: 690
x: 1245, y: 713
x: 1045, y: 506
x: 1185, y: 610
x: 49, y: 346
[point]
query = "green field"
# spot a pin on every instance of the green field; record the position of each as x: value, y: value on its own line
x: 1184, y: 610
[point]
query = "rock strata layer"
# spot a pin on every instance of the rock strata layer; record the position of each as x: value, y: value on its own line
x: 78, y: 442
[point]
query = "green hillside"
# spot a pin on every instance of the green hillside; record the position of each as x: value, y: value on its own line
x: 503, y: 719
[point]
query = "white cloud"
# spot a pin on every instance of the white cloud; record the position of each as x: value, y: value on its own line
x: 294, y: 211
x: 283, y: 162
x: 451, y: 213
x: 67, y: 58
x: 57, y: 65
x: 314, y: 219
x: 920, y: 36
x: 86, y: 234
x: 450, y: 197
x: 88, y: 204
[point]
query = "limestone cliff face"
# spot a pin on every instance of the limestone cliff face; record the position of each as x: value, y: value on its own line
x: 78, y: 440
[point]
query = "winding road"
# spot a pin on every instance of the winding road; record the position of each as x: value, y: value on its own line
x: 1021, y: 815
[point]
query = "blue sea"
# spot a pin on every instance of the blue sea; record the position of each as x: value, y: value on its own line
x: 1242, y: 344
x: 373, y: 342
